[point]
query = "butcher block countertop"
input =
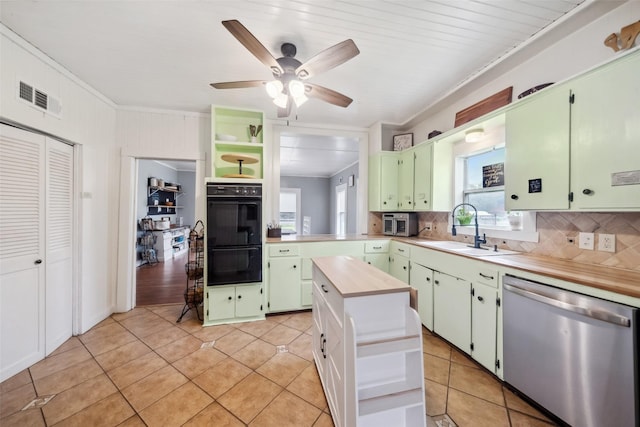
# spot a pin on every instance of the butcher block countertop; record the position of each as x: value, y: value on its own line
x: 624, y: 282
x: 354, y: 278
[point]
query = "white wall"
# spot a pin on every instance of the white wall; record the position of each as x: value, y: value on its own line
x: 577, y: 52
x: 154, y: 134
x: 88, y: 119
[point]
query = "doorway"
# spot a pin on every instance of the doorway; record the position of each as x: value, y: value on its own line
x: 165, y: 203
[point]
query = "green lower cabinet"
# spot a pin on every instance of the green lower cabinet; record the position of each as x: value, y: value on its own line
x: 234, y: 303
x: 399, y: 267
x: 484, y: 312
x: 307, y: 293
x: 284, y: 283
x: 380, y: 261
x: 421, y: 279
x: 452, y: 310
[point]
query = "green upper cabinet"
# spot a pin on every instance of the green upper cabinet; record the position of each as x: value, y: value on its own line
x: 605, y: 137
x: 536, y: 167
x: 575, y: 145
x: 235, y: 154
x: 405, y: 180
x: 422, y: 177
x: 383, y: 181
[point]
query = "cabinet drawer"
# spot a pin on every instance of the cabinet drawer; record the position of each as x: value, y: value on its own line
x: 335, y: 301
x: 403, y: 250
x: 283, y: 250
x: 486, y: 276
x: 376, y: 247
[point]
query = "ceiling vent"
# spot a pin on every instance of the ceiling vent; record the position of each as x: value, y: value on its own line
x: 39, y: 99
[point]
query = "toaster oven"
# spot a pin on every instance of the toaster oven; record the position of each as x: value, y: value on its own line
x: 400, y: 224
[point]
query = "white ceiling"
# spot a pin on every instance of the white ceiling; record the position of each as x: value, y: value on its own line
x: 164, y: 54
x: 316, y: 155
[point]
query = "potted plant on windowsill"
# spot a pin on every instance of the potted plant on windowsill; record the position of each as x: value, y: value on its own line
x: 464, y: 216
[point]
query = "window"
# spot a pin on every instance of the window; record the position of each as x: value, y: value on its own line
x: 290, y: 215
x: 488, y: 200
x: 493, y: 219
x: 341, y: 209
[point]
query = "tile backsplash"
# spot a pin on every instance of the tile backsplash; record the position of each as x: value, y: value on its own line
x: 555, y: 229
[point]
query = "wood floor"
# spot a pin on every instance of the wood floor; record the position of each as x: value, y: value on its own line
x: 161, y: 283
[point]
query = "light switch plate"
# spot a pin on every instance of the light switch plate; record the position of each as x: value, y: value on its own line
x: 586, y: 241
x: 607, y: 242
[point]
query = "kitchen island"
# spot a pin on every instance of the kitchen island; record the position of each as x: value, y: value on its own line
x: 367, y: 345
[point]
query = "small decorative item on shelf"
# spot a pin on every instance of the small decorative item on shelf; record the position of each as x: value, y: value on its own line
x: 464, y: 216
x: 433, y: 133
x: 402, y: 142
x: 274, y: 230
x: 254, y: 131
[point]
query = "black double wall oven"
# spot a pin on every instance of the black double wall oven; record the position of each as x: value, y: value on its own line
x: 234, y: 233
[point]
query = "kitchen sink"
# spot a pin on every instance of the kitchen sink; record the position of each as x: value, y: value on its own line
x: 464, y: 248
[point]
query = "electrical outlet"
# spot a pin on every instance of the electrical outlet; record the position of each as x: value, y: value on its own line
x: 585, y: 241
x: 428, y: 226
x: 607, y: 242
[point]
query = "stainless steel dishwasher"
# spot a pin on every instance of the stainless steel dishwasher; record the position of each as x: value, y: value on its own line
x: 575, y: 355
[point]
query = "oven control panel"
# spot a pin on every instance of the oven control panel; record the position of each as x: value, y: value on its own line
x: 234, y: 190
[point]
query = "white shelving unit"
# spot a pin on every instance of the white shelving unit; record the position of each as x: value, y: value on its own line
x: 367, y: 345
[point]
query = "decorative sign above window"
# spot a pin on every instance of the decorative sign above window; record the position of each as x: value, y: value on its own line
x: 402, y: 142
x: 493, y: 175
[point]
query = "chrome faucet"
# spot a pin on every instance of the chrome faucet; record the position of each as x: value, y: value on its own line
x: 476, y: 239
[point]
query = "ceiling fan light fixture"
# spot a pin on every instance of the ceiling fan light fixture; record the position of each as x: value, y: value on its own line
x: 281, y: 100
x: 296, y: 88
x: 474, y: 135
x: 274, y: 88
x: 299, y: 100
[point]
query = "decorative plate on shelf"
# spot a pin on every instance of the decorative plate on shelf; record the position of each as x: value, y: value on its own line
x: 402, y: 142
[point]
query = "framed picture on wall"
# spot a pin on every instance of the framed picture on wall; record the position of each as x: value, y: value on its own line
x: 402, y: 142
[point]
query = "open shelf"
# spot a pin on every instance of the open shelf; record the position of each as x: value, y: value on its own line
x: 235, y: 123
x: 401, y: 399
x: 398, y: 344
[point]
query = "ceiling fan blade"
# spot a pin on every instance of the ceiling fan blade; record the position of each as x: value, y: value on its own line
x: 238, y: 85
x: 252, y: 44
x: 328, y: 59
x: 327, y: 95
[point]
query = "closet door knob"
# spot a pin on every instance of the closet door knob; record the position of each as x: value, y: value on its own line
x: 587, y: 192
x: 514, y: 197
x: 38, y: 261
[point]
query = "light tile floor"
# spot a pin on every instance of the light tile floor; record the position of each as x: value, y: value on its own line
x: 141, y: 368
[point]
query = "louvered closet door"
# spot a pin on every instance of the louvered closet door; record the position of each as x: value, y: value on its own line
x: 59, y: 223
x: 22, y: 248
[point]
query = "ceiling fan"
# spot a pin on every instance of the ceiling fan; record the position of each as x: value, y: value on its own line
x: 289, y: 85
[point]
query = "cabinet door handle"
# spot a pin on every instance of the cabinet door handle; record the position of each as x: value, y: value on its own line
x: 514, y: 197
x: 404, y: 267
x: 326, y: 291
x: 239, y: 296
x: 284, y: 251
x: 437, y: 282
x: 428, y: 279
x: 587, y: 192
x: 486, y: 276
x: 377, y: 247
x: 400, y: 250
x: 294, y: 266
x: 38, y: 261
x: 480, y: 298
x: 230, y: 298
x: 384, y: 203
x: 369, y: 262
